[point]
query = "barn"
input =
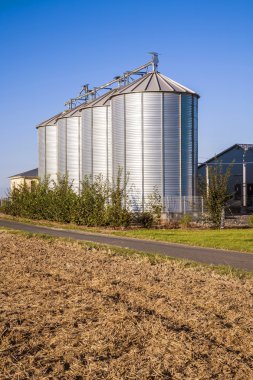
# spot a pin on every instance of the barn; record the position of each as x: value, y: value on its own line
x: 240, y: 158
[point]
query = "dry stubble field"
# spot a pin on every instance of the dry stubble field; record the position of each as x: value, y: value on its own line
x: 70, y: 312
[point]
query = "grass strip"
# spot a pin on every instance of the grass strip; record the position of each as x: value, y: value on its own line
x: 235, y: 239
x: 153, y: 258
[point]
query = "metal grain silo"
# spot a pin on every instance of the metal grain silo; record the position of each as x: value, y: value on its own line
x: 154, y: 137
x: 47, y: 138
x: 69, y: 146
x: 97, y: 137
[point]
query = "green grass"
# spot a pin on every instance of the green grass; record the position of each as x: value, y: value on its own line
x: 153, y: 258
x: 237, y: 239
x: 230, y: 239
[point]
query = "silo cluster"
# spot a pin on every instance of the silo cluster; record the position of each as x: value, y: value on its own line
x: 148, y: 128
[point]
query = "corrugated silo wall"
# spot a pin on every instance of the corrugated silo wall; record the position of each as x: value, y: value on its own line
x: 42, y: 152
x: 69, y: 150
x: 172, y: 146
x: 155, y: 141
x: 61, y: 125
x: 96, y: 142
x: 87, y: 142
x: 47, y: 152
x: 187, y: 144
x: 195, y: 140
x: 51, y: 152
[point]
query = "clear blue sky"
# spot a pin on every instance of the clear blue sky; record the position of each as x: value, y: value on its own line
x: 49, y: 48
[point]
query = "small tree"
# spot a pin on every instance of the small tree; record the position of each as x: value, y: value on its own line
x: 216, y: 194
x: 91, y: 210
x: 118, y: 208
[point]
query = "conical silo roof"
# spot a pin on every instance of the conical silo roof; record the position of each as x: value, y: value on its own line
x: 101, y: 101
x: 52, y: 120
x: 71, y: 112
x: 155, y: 82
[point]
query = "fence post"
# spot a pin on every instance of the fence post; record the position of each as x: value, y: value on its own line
x: 207, y: 180
x: 244, y: 184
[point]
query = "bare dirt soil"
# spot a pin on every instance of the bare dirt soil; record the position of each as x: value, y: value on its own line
x: 69, y: 312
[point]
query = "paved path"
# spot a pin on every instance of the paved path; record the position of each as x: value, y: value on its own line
x: 203, y: 255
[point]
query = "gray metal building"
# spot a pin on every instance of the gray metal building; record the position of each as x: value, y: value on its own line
x: 240, y: 158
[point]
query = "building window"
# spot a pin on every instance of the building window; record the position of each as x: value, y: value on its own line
x: 238, y: 191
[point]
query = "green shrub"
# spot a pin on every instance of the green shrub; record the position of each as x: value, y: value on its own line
x: 216, y: 193
x: 62, y: 201
x: 91, y: 205
x: 46, y: 200
x: 172, y: 224
x: 100, y: 203
x: 154, y: 205
x: 251, y: 220
x: 145, y: 219
x: 186, y: 220
x: 118, y: 208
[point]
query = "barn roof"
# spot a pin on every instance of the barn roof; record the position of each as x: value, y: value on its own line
x: 235, y: 146
x: 30, y: 173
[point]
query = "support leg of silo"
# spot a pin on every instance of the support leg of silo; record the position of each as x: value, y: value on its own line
x: 244, y: 186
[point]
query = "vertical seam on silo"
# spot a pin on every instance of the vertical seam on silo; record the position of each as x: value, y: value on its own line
x: 91, y: 134
x: 193, y: 151
x: 56, y: 150
x: 162, y: 135
x: 66, y: 148
x: 180, y: 145
x: 107, y: 158
x: 196, y: 142
x: 142, y: 150
x: 125, y: 148
x: 79, y: 156
x: 45, y: 152
x: 112, y: 142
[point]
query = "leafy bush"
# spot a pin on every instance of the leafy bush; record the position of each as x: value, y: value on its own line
x: 100, y: 203
x: 171, y: 224
x: 216, y: 193
x: 118, y: 213
x: 154, y: 205
x: 145, y: 219
x: 186, y: 220
x: 91, y: 205
x: 251, y: 220
x: 46, y: 200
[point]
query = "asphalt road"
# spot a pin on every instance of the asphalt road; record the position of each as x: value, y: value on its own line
x: 199, y: 254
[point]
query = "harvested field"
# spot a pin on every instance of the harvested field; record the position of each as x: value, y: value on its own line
x: 70, y: 312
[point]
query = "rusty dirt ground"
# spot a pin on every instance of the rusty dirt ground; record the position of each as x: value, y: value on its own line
x: 73, y: 312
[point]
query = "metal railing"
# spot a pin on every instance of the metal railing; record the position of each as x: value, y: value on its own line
x: 87, y: 94
x: 184, y: 204
x: 3, y: 201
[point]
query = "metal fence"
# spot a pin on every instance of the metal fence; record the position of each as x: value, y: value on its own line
x: 235, y: 205
x: 3, y: 201
x: 184, y: 204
